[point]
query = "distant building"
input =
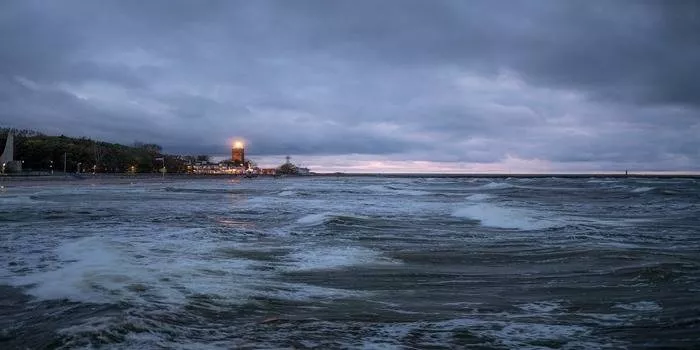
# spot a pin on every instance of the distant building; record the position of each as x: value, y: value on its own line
x: 206, y: 168
x: 238, y: 153
x: 289, y: 168
x: 237, y: 165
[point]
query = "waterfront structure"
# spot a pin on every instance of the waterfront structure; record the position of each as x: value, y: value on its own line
x: 226, y: 167
x: 236, y: 165
x: 239, y: 165
x: 9, y: 164
x: 289, y: 168
x: 238, y: 153
x: 8, y: 153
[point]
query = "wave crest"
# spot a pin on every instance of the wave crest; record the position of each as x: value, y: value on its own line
x: 642, y: 189
x: 334, y: 258
x: 328, y: 217
x: 496, y: 186
x: 394, y: 190
x: 491, y: 215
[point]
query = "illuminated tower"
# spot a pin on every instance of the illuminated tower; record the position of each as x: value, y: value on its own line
x: 238, y: 153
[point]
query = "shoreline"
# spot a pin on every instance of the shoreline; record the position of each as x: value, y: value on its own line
x: 106, y: 179
x: 37, y: 180
x: 149, y: 176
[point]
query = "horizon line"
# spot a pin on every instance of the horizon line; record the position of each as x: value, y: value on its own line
x: 523, y: 174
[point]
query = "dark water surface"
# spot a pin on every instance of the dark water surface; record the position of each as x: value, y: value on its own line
x: 376, y: 263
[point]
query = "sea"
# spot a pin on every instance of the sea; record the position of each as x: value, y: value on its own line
x: 338, y: 262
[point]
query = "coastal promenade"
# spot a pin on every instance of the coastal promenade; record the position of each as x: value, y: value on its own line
x: 38, y: 180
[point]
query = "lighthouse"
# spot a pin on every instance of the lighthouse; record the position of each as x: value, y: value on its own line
x: 238, y: 153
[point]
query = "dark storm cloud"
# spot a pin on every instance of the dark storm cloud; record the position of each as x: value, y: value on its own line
x: 453, y: 81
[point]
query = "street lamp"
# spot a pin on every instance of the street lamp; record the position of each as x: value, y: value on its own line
x: 51, y: 166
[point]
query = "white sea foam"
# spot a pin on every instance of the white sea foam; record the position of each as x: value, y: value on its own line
x: 642, y: 189
x: 642, y: 306
x: 100, y: 324
x: 598, y: 181
x: 604, y: 319
x: 496, y: 186
x: 334, y: 258
x: 287, y: 193
x: 162, y: 338
x: 376, y: 188
x: 540, y: 307
x: 511, y: 334
x: 518, y: 334
x: 492, y: 215
x: 616, y: 222
x: 657, y: 181
x: 411, y: 192
x: 315, y: 219
x: 171, y: 270
x: 478, y: 197
x: 104, y: 271
x: 84, y: 258
x: 392, y: 190
x: 324, y: 217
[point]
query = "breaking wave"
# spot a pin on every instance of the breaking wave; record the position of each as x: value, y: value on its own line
x: 492, y: 215
x: 334, y: 257
x: 642, y: 189
x: 478, y: 197
x: 496, y: 186
x: 395, y: 190
x: 329, y: 217
x: 203, y: 190
x: 641, y: 306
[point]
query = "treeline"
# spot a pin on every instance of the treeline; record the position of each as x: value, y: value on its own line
x: 40, y: 152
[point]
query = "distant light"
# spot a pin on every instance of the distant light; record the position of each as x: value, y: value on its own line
x: 238, y: 144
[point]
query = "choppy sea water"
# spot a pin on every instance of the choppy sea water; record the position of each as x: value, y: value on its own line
x: 366, y: 262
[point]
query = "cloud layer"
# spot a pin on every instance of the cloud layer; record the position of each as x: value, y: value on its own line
x: 366, y: 85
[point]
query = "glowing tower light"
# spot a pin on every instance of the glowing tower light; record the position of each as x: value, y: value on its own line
x: 238, y: 153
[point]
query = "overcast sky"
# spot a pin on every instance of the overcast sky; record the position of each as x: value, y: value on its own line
x: 533, y: 86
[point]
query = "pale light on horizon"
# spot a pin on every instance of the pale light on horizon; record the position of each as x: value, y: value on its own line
x: 385, y: 165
